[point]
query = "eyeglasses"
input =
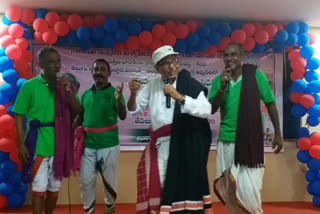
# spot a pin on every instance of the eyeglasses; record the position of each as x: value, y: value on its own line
x: 168, y: 63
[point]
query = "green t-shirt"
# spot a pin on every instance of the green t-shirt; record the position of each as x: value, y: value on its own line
x: 100, y: 110
x: 230, y: 103
x: 37, y: 101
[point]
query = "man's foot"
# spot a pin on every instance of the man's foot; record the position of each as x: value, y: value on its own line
x: 92, y: 212
x: 110, y: 210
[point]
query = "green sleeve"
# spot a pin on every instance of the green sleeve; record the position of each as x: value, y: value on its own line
x: 266, y: 93
x: 216, y: 84
x: 23, y: 100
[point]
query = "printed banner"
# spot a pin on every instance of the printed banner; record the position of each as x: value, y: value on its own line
x: 126, y: 65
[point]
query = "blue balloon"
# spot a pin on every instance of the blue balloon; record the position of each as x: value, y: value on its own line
x: 3, y: 176
x: 62, y: 40
x: 204, y: 31
x: 83, y: 33
x: 311, y: 75
x: 303, y: 39
x: 266, y: 46
x: 15, y: 200
x: 304, y: 132
x: 313, y: 121
x: 224, y: 29
x: 315, y: 188
x: 279, y: 47
x: 190, y: 50
x: 180, y: 46
x: 281, y: 36
x: 41, y: 13
x: 6, y: 21
x: 72, y: 37
x: 214, y: 25
x: 316, y: 201
x: 9, y: 109
x: 292, y: 39
x: 314, y: 111
x: 134, y: 28
x: 314, y: 164
x: 314, y: 86
x: 303, y: 156
x: 192, y: 40
x: 121, y: 35
x: 307, y: 51
x: 3, y: 156
x: 298, y: 110
x: 123, y: 22
x: 292, y: 27
x: 109, y: 41
x: 258, y: 48
x: 311, y: 176
x: 318, y: 174
x: 6, y: 188
x: 21, y: 188
x: 2, y: 52
x: 15, y: 178
x: 215, y: 38
x: 86, y: 44
x: 5, y: 63
x: 309, y: 189
x: 97, y: 33
x: 146, y: 25
x: 110, y: 25
x: 299, y: 85
x: 313, y: 63
x: 303, y: 27
x: 7, y: 89
x: 27, y: 35
x: 8, y: 167
x: 203, y: 45
x: 10, y: 76
x: 4, y: 99
x: 316, y: 99
x: 236, y: 25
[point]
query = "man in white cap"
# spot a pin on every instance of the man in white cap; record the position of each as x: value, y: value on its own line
x: 172, y: 172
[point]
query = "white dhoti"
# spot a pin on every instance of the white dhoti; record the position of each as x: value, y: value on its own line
x: 239, y: 187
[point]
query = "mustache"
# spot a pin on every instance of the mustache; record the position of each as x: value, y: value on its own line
x: 98, y: 75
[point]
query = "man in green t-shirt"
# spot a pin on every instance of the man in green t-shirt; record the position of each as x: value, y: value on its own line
x: 36, y: 100
x: 240, y: 159
x: 102, y: 105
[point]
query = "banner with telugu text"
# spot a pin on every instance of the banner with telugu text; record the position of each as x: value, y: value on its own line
x: 126, y: 65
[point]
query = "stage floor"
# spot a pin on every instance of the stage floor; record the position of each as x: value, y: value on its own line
x: 269, y: 208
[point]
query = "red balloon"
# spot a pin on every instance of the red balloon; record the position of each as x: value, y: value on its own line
x: 4, y: 30
x: 120, y: 46
x: 3, y: 110
x: 298, y: 63
x: 13, y: 52
x: 315, y: 138
x: 295, y: 53
x: 314, y: 151
x: 7, y: 122
x: 74, y: 21
x: 99, y: 20
x: 88, y: 21
x: 295, y: 97
x: 38, y: 36
x: 169, y: 39
x: 3, y: 201
x: 271, y: 29
x: 212, y: 50
x: 133, y: 43
x: 40, y: 25
x: 50, y: 37
x: 28, y: 16
x: 249, y: 29
x: 27, y: 55
x: 258, y: 26
x: 16, y: 30
x: 261, y: 37
x: 52, y: 18
x: 22, y: 43
x: 61, y: 28
x: 304, y: 143
x: 7, y: 144
x: 158, y: 31
x: 156, y: 43
x: 193, y: 26
x: 64, y: 17
x: 249, y: 44
x: 27, y: 75
x: 280, y: 26
x: 312, y: 38
x: 6, y: 41
x: 224, y: 43
x: 170, y: 26
x: 239, y: 36
x: 145, y: 38
x: 13, y: 13
x: 21, y: 66
x: 288, y: 49
x: 296, y: 75
x: 181, y: 31
x: 307, y: 100
x: 15, y: 158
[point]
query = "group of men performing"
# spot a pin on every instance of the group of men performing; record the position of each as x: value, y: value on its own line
x: 172, y: 172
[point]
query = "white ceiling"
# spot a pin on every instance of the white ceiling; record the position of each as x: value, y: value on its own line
x: 247, y: 10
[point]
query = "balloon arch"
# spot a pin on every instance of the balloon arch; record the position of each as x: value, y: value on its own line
x: 21, y: 25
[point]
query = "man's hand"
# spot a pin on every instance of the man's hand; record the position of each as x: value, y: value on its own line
x: 66, y: 83
x: 23, y: 154
x: 277, y: 144
x: 119, y: 90
x: 170, y: 90
x: 134, y: 85
x: 225, y: 77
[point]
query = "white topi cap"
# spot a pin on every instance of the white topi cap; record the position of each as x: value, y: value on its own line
x: 162, y: 52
